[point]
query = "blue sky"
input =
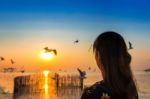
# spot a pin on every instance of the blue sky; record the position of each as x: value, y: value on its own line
x: 66, y: 20
x: 17, y: 13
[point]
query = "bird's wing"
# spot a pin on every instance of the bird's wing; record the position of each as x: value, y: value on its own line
x: 55, y: 52
x: 79, y: 70
x: 12, y: 61
x: 46, y: 48
x: 76, y: 41
x: 130, y: 45
x: 2, y: 58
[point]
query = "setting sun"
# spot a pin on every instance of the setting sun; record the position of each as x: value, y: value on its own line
x: 46, y: 56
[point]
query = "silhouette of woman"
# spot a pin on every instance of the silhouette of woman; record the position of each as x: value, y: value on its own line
x: 113, y: 60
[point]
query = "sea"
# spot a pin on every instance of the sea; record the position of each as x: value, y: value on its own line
x: 7, y: 86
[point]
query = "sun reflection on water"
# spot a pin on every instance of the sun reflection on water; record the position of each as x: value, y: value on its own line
x: 49, y: 86
x: 46, y: 87
x: 46, y: 72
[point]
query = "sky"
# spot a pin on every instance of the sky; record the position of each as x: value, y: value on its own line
x: 27, y: 26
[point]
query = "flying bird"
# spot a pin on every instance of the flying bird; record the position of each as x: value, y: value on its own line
x: 82, y: 73
x: 76, y: 41
x: 2, y: 58
x: 47, y: 50
x: 22, y: 71
x: 89, y: 68
x: 12, y: 62
x: 130, y: 46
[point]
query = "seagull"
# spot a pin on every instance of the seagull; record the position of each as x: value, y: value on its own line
x: 130, y: 46
x: 50, y: 50
x: 76, y: 41
x: 82, y: 73
x: 22, y: 71
x: 2, y: 58
x: 12, y: 62
x: 89, y: 68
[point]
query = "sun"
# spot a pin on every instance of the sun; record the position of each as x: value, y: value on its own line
x: 46, y: 55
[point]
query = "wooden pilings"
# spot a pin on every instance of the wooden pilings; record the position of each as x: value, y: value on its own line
x: 38, y: 83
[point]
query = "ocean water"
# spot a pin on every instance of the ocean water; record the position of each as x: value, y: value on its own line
x: 7, y: 84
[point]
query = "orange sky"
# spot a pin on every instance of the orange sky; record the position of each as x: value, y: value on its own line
x: 70, y: 55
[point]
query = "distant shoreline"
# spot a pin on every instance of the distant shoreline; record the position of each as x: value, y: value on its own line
x: 147, y: 70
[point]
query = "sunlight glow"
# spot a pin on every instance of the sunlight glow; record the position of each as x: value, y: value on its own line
x: 49, y: 85
x: 46, y: 56
x: 46, y: 72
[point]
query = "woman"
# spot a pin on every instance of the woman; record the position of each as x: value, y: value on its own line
x: 113, y: 60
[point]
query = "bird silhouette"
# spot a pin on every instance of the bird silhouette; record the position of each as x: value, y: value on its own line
x: 2, y: 58
x: 47, y: 50
x: 22, y: 71
x: 12, y: 62
x: 82, y: 73
x: 89, y: 68
x: 76, y: 41
x: 130, y: 46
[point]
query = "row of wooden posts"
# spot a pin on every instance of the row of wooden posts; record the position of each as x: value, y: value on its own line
x: 36, y: 83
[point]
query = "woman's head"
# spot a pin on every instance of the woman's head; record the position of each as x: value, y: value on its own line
x: 113, y: 59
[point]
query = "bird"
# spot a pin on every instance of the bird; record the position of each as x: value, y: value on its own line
x: 130, y: 46
x: 2, y: 58
x: 22, y: 71
x: 76, y: 41
x: 82, y: 73
x: 12, y: 62
x: 89, y: 68
x: 47, y: 50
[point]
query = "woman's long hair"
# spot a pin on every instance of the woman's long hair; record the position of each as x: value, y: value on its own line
x: 113, y: 59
